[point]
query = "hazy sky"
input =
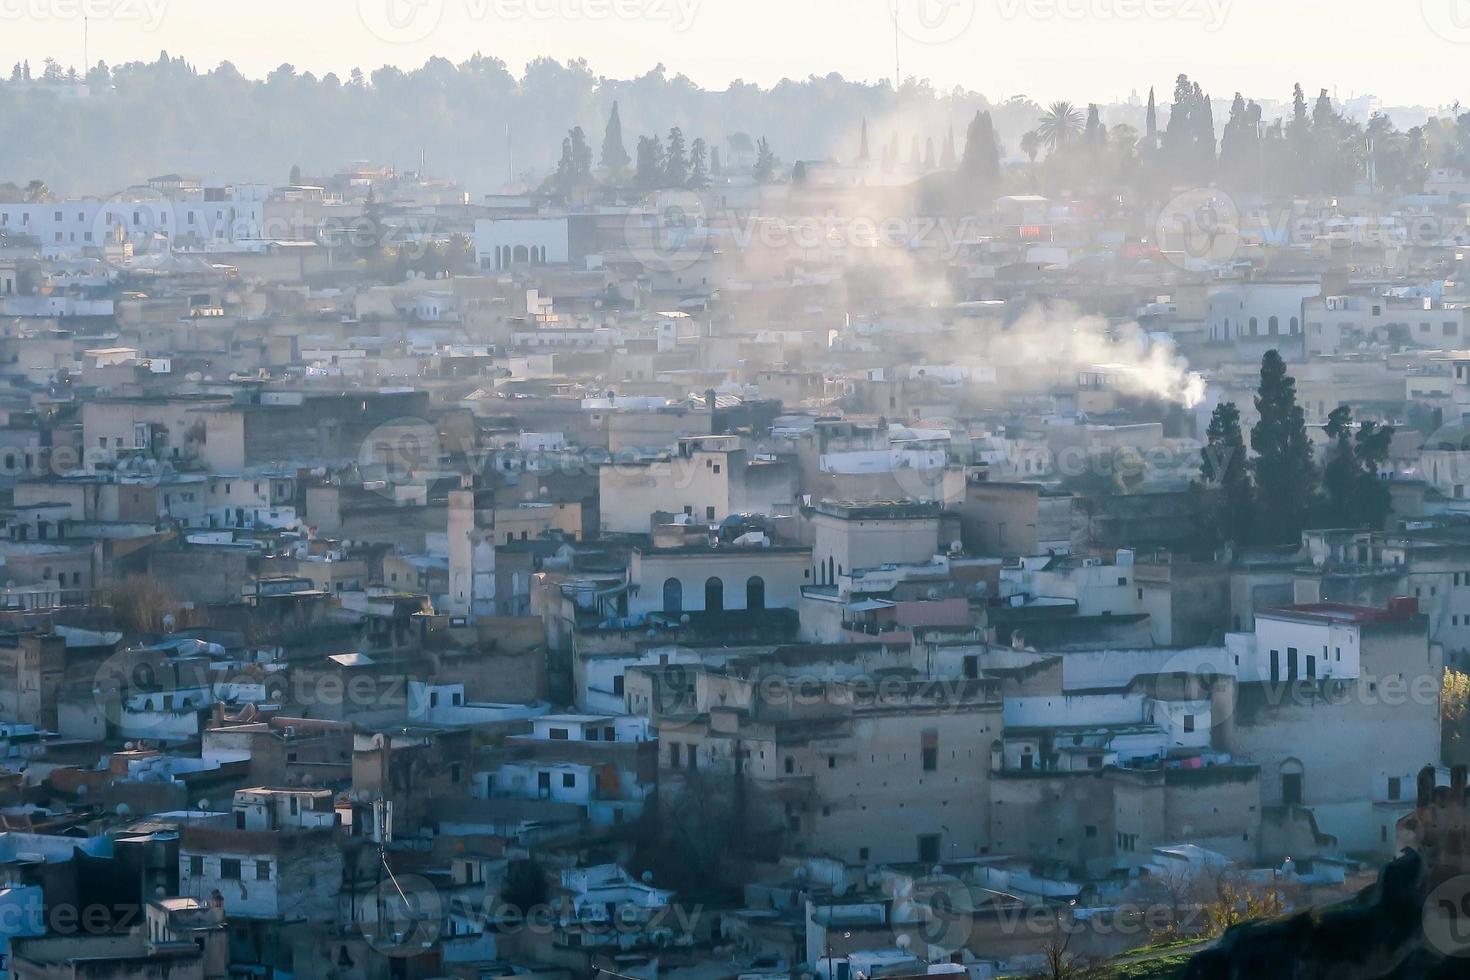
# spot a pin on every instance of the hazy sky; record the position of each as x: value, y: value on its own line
x: 1404, y: 51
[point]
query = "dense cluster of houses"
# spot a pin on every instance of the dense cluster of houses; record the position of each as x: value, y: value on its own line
x: 670, y: 593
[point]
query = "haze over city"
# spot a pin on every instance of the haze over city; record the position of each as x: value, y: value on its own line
x: 687, y: 490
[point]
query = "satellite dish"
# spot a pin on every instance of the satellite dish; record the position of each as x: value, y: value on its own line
x: 903, y: 941
x: 130, y: 746
x: 123, y: 810
x: 647, y: 877
x: 203, y: 804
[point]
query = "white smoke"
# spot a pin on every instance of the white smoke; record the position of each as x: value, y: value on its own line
x: 1055, y: 344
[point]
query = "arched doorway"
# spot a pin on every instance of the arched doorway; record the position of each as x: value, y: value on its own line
x: 673, y: 596
x: 755, y: 592
x: 714, y: 595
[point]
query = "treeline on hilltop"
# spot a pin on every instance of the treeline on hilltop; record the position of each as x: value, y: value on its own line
x: 480, y: 122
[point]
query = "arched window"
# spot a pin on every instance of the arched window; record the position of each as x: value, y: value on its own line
x: 521, y: 254
x: 1273, y: 326
x: 831, y: 575
x: 714, y: 595
x: 1254, y: 324
x: 1296, y: 326
x: 673, y: 596
x: 755, y: 592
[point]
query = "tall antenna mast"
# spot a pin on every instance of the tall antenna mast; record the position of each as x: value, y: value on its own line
x: 86, y: 47
x: 897, y: 68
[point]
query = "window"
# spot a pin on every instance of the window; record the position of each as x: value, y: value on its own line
x: 1395, y: 787
x: 790, y: 765
x: 714, y: 595
x: 755, y: 593
x: 673, y: 596
x: 831, y: 762
x: 674, y: 754
x: 618, y: 685
x: 1188, y: 723
x: 196, y: 865
x: 557, y: 734
x: 929, y: 750
x: 229, y: 869
x: 928, y: 848
x: 262, y: 871
x: 568, y: 780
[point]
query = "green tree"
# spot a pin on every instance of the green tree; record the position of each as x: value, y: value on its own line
x: 981, y: 160
x: 1225, y: 468
x: 1059, y: 126
x: 575, y: 168
x: 676, y: 160
x: 524, y: 885
x: 650, y: 172
x: 698, y: 168
x: 1356, y: 495
x: 1340, y: 470
x: 765, y: 162
x: 614, y: 154
x: 742, y: 148
x: 1286, y: 474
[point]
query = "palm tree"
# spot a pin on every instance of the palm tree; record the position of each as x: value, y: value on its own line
x: 37, y: 192
x: 1031, y: 145
x: 1062, y: 122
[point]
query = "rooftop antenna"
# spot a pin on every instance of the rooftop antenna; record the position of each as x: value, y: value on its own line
x: 86, y: 47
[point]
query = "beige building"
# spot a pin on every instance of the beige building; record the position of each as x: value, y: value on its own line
x: 706, y: 478
x: 709, y: 579
x: 849, y: 536
x: 868, y: 770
